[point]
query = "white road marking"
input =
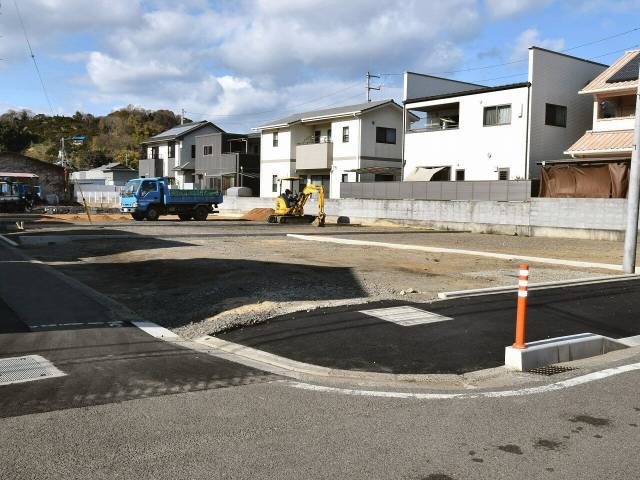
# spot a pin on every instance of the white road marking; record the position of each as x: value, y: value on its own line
x: 475, y: 253
x: 114, y: 323
x: 405, y: 316
x: 572, y: 382
x: 9, y: 241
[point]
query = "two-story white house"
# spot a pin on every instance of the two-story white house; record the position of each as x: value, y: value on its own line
x: 462, y: 131
x: 331, y: 146
x: 172, y: 153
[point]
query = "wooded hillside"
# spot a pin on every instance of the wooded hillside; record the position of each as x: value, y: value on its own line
x: 111, y: 138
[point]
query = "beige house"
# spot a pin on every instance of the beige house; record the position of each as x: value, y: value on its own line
x: 614, y: 105
x: 600, y: 159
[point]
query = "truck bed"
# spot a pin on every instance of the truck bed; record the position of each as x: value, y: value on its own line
x: 194, y: 196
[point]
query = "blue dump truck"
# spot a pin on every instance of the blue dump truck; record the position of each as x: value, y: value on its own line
x: 151, y: 197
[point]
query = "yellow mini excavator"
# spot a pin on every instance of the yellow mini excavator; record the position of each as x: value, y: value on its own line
x: 290, y: 208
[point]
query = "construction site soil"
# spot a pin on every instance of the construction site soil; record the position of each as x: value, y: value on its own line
x: 205, y: 277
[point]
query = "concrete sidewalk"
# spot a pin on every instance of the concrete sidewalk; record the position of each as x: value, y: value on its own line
x: 455, y: 336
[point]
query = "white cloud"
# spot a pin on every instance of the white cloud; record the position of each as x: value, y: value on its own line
x: 266, y: 55
x: 501, y: 9
x: 531, y: 37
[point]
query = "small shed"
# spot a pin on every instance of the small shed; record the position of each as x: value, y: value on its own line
x: 51, y: 177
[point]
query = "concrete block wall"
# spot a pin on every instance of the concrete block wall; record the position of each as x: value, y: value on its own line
x: 592, y: 218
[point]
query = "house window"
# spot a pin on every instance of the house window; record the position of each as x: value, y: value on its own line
x: 155, y: 152
x: 275, y: 140
x: 172, y: 149
x: 345, y: 177
x: 193, y: 151
x: 460, y: 175
x: 555, y: 115
x: 302, y: 182
x: 617, y: 107
x: 385, y: 135
x: 434, y: 117
x: 274, y: 183
x: 503, y: 174
x: 207, y: 150
x: 316, y: 136
x: 497, y: 115
x: 345, y: 134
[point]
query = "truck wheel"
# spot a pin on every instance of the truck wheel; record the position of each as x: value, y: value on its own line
x: 152, y: 214
x: 138, y: 217
x: 184, y: 216
x: 201, y: 214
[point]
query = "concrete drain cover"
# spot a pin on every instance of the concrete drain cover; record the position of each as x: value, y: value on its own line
x: 26, y: 369
x: 550, y: 370
x: 406, y: 316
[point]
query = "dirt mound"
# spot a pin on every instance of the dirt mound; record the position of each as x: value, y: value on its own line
x: 258, y: 214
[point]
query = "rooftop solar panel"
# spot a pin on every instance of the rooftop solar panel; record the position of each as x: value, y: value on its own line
x: 628, y: 72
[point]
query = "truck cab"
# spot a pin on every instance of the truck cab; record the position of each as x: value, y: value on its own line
x: 149, y: 198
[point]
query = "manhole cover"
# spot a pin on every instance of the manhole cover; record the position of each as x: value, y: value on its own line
x: 550, y: 370
x: 406, y: 316
x: 26, y: 369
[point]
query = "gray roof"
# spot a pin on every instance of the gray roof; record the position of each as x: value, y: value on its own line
x: 328, y: 112
x: 180, y: 131
x: 113, y: 166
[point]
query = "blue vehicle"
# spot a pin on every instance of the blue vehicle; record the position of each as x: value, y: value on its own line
x: 151, y: 197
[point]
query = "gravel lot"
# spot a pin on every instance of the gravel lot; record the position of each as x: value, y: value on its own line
x: 204, y: 277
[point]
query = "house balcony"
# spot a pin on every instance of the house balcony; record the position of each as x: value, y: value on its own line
x: 314, y: 156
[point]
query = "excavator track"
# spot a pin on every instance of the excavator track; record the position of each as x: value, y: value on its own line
x: 292, y: 219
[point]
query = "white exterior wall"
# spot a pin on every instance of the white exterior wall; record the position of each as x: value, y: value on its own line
x: 477, y: 149
x: 275, y: 160
x: 556, y: 79
x: 346, y: 155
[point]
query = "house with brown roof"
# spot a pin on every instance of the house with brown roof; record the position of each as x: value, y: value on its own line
x: 600, y: 159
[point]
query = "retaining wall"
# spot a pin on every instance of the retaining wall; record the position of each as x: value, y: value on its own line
x: 592, y: 218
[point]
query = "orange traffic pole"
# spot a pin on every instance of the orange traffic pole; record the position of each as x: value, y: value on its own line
x: 521, y: 316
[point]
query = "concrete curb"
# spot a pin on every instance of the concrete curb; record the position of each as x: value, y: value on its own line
x: 538, y: 286
x: 475, y: 253
x: 295, y: 369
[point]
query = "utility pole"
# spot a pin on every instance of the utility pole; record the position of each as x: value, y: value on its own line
x: 633, y: 195
x: 182, y: 117
x: 369, y: 87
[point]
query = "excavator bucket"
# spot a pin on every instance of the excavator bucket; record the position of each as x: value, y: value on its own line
x: 319, y: 221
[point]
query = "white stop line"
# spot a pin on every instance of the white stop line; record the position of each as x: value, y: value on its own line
x: 572, y: 382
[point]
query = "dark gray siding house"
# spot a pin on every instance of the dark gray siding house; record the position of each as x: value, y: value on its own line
x: 225, y: 160
x: 50, y: 176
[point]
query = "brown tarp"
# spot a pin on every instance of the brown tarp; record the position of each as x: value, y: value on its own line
x: 585, y: 181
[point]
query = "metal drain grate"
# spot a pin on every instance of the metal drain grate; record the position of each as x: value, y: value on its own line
x: 26, y: 369
x: 550, y: 370
x: 406, y: 316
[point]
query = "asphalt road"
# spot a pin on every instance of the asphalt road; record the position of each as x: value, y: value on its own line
x: 104, y: 357
x: 474, y: 338
x: 267, y: 429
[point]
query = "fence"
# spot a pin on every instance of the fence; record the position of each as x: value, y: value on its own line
x: 504, y: 190
x: 102, y: 196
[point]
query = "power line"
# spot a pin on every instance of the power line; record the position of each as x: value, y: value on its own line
x: 33, y: 57
x: 485, y: 67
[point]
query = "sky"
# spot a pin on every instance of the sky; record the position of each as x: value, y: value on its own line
x: 241, y: 63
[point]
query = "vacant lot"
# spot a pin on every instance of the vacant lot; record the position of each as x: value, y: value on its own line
x: 199, y: 278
